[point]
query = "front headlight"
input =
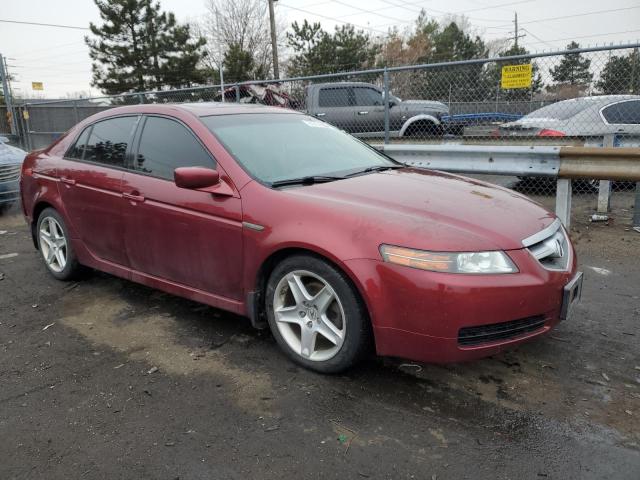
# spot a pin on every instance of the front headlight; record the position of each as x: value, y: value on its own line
x: 449, y: 262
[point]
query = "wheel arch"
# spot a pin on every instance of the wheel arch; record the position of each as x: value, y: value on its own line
x: 255, y: 298
x: 423, y: 117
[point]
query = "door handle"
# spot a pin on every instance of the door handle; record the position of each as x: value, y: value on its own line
x: 67, y: 180
x: 363, y: 113
x: 320, y: 114
x: 133, y: 196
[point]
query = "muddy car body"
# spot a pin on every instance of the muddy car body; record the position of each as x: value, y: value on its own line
x: 280, y: 217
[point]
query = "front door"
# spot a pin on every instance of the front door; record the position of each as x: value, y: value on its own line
x: 369, y: 113
x: 189, y: 237
x: 91, y: 186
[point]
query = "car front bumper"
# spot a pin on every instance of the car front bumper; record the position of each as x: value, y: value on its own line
x: 9, y: 191
x: 436, y: 317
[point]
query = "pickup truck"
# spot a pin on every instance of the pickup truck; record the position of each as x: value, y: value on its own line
x: 358, y: 108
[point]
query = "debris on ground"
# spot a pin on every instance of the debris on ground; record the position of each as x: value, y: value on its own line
x: 48, y: 326
x: 598, y: 218
x: 8, y: 255
x: 411, y: 365
x: 152, y: 370
x: 606, y: 377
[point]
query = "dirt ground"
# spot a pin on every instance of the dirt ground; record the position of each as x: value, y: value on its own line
x: 108, y: 379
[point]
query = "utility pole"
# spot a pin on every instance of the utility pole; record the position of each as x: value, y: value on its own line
x: 274, y: 42
x: 6, y: 90
x: 516, y: 32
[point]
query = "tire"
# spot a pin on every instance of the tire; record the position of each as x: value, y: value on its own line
x: 423, y: 129
x: 55, y: 246
x: 316, y: 315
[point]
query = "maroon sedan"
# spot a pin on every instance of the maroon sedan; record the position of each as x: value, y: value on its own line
x: 293, y: 223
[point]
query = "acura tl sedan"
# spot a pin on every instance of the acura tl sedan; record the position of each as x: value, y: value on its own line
x: 280, y: 217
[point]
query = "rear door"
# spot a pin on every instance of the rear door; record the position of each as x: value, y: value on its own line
x: 91, y: 186
x: 189, y: 237
x: 336, y: 106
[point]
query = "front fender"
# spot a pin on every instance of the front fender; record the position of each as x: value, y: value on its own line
x: 416, y: 118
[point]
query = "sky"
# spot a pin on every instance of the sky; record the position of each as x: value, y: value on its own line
x: 59, y: 59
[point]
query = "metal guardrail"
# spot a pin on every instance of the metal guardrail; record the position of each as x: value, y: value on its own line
x: 562, y: 163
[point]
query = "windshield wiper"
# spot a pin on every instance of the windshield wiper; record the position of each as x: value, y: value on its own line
x: 309, y: 180
x: 378, y: 168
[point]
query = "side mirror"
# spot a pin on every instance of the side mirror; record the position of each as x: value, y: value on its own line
x: 195, y: 178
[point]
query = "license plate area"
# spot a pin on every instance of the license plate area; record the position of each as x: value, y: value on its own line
x: 571, y: 294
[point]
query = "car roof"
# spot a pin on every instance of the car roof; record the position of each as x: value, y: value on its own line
x: 602, y: 99
x: 343, y: 84
x: 204, y: 109
x: 199, y: 109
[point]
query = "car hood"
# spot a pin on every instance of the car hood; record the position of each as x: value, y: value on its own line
x: 11, y: 155
x: 429, y: 210
x: 422, y: 105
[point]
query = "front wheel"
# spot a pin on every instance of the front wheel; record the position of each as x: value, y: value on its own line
x: 316, y: 315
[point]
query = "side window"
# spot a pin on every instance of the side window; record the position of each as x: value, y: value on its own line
x: 108, y: 141
x: 166, y: 145
x: 334, y: 97
x: 77, y: 150
x: 623, y: 113
x: 366, y: 97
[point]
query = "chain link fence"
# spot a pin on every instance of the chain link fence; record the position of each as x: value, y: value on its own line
x: 581, y: 97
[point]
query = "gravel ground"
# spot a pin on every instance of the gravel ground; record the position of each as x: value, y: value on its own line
x: 108, y: 379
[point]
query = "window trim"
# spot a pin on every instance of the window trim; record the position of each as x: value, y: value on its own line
x: 90, y: 128
x: 606, y: 122
x: 135, y: 145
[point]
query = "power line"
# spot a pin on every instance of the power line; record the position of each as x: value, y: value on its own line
x: 333, y: 19
x: 583, y: 14
x: 44, y: 24
x: 583, y: 36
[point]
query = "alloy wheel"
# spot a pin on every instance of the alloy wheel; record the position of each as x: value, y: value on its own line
x: 53, y: 244
x: 309, y: 315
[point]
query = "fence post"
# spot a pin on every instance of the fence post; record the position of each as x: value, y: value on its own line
x: 604, y: 186
x: 237, y: 87
x: 140, y: 98
x: 75, y: 111
x: 636, y: 209
x: 385, y: 78
x: 563, y: 201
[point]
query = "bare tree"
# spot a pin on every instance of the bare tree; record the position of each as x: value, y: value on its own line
x: 243, y: 25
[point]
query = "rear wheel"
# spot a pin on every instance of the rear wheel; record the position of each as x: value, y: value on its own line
x: 55, y: 246
x: 316, y: 315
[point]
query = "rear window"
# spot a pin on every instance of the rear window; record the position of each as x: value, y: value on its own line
x: 334, y: 97
x: 561, y: 110
x: 109, y: 140
x: 627, y: 113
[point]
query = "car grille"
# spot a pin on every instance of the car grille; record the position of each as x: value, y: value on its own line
x: 9, y: 172
x: 470, y: 336
x: 550, y: 247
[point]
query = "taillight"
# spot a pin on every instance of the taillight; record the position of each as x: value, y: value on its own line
x: 546, y: 132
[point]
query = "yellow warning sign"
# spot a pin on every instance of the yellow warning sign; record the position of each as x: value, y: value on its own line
x: 516, y: 76
x: 37, y: 86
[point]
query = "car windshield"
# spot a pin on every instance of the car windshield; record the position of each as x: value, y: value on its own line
x: 277, y: 147
x: 561, y: 110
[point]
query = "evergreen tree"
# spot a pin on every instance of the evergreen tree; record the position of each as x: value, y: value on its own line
x: 139, y: 47
x: 238, y: 64
x: 573, y: 69
x: 621, y: 74
x: 317, y: 51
